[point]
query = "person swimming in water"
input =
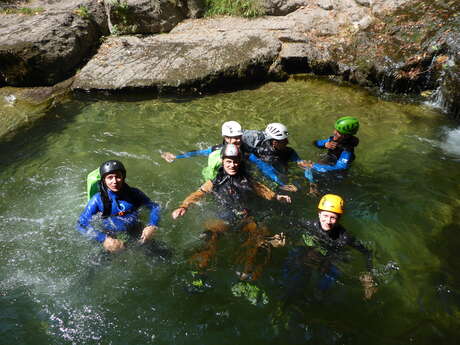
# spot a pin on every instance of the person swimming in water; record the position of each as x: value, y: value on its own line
x: 232, y: 133
x: 117, y: 206
x: 232, y: 189
x: 340, y: 153
x: 319, y: 244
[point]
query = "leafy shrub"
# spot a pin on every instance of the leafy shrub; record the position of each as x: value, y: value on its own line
x: 243, y: 8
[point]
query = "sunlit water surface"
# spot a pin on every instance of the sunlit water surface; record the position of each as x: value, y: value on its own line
x: 402, y: 201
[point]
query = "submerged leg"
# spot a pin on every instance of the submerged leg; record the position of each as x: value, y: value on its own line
x: 255, y: 255
x: 213, y: 227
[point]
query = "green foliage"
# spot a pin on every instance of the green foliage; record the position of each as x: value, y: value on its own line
x: 28, y: 11
x: 243, y: 8
x: 120, y: 6
x: 123, y: 17
x: 83, y: 12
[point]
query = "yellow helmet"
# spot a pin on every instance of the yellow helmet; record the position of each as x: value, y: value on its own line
x: 331, y: 203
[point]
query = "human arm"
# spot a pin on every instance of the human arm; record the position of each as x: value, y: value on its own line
x: 366, y: 278
x: 170, y: 157
x: 154, y: 217
x: 193, y: 198
x: 144, y: 201
x: 267, y: 169
x: 266, y: 193
x: 324, y: 143
x: 84, y: 222
x: 342, y: 163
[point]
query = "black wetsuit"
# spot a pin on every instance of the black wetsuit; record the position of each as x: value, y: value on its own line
x: 232, y: 193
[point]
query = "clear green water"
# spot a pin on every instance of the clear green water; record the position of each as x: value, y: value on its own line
x: 402, y: 201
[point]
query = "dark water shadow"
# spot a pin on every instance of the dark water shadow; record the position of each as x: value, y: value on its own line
x: 19, y: 147
x: 21, y: 320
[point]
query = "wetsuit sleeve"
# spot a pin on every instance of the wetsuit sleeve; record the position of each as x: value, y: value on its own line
x: 321, y: 143
x: 153, y: 207
x: 205, y: 152
x: 342, y: 163
x: 197, y: 195
x: 294, y: 157
x: 84, y: 222
x: 263, y: 191
x: 266, y: 169
x: 354, y: 243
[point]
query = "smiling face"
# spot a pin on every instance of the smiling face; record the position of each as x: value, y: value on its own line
x: 233, y: 140
x: 114, y: 181
x: 231, y: 166
x: 328, y: 220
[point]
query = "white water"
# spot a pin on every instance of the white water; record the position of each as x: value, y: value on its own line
x: 451, y: 142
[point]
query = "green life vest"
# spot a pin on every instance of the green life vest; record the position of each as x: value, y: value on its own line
x: 91, y: 183
x: 214, y: 163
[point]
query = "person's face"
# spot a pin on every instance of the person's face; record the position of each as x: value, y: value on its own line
x: 231, y: 166
x: 338, y: 136
x: 233, y: 140
x: 114, y: 181
x: 328, y: 220
x: 280, y: 144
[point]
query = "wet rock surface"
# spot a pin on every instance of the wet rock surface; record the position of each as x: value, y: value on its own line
x: 179, y: 60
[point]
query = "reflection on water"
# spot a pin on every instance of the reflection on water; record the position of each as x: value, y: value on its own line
x: 402, y: 202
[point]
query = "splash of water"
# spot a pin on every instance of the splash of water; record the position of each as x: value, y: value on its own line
x: 451, y: 143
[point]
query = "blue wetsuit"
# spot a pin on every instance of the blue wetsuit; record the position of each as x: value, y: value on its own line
x: 124, y: 213
x: 337, y: 160
x: 265, y: 168
x: 205, y: 152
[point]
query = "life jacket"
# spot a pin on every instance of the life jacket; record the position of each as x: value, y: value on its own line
x: 214, y: 163
x: 279, y: 159
x: 92, y: 183
x: 347, y: 144
x: 252, y: 139
x: 232, y: 191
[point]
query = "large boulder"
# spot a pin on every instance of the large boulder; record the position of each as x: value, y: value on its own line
x: 196, y: 58
x: 127, y: 17
x: 48, y: 46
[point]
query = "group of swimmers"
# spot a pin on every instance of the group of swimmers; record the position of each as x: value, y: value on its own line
x: 228, y: 177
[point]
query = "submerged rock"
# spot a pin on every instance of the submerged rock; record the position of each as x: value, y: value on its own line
x: 22, y: 107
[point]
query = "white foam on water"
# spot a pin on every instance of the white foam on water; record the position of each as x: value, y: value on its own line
x: 451, y: 142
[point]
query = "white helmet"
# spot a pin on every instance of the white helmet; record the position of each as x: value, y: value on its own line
x: 230, y: 151
x: 276, y: 131
x: 231, y: 129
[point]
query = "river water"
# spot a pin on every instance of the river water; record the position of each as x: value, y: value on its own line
x: 402, y: 201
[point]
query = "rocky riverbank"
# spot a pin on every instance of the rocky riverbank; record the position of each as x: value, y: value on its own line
x: 399, y: 46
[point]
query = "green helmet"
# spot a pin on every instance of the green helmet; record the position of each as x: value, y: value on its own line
x: 347, y: 125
